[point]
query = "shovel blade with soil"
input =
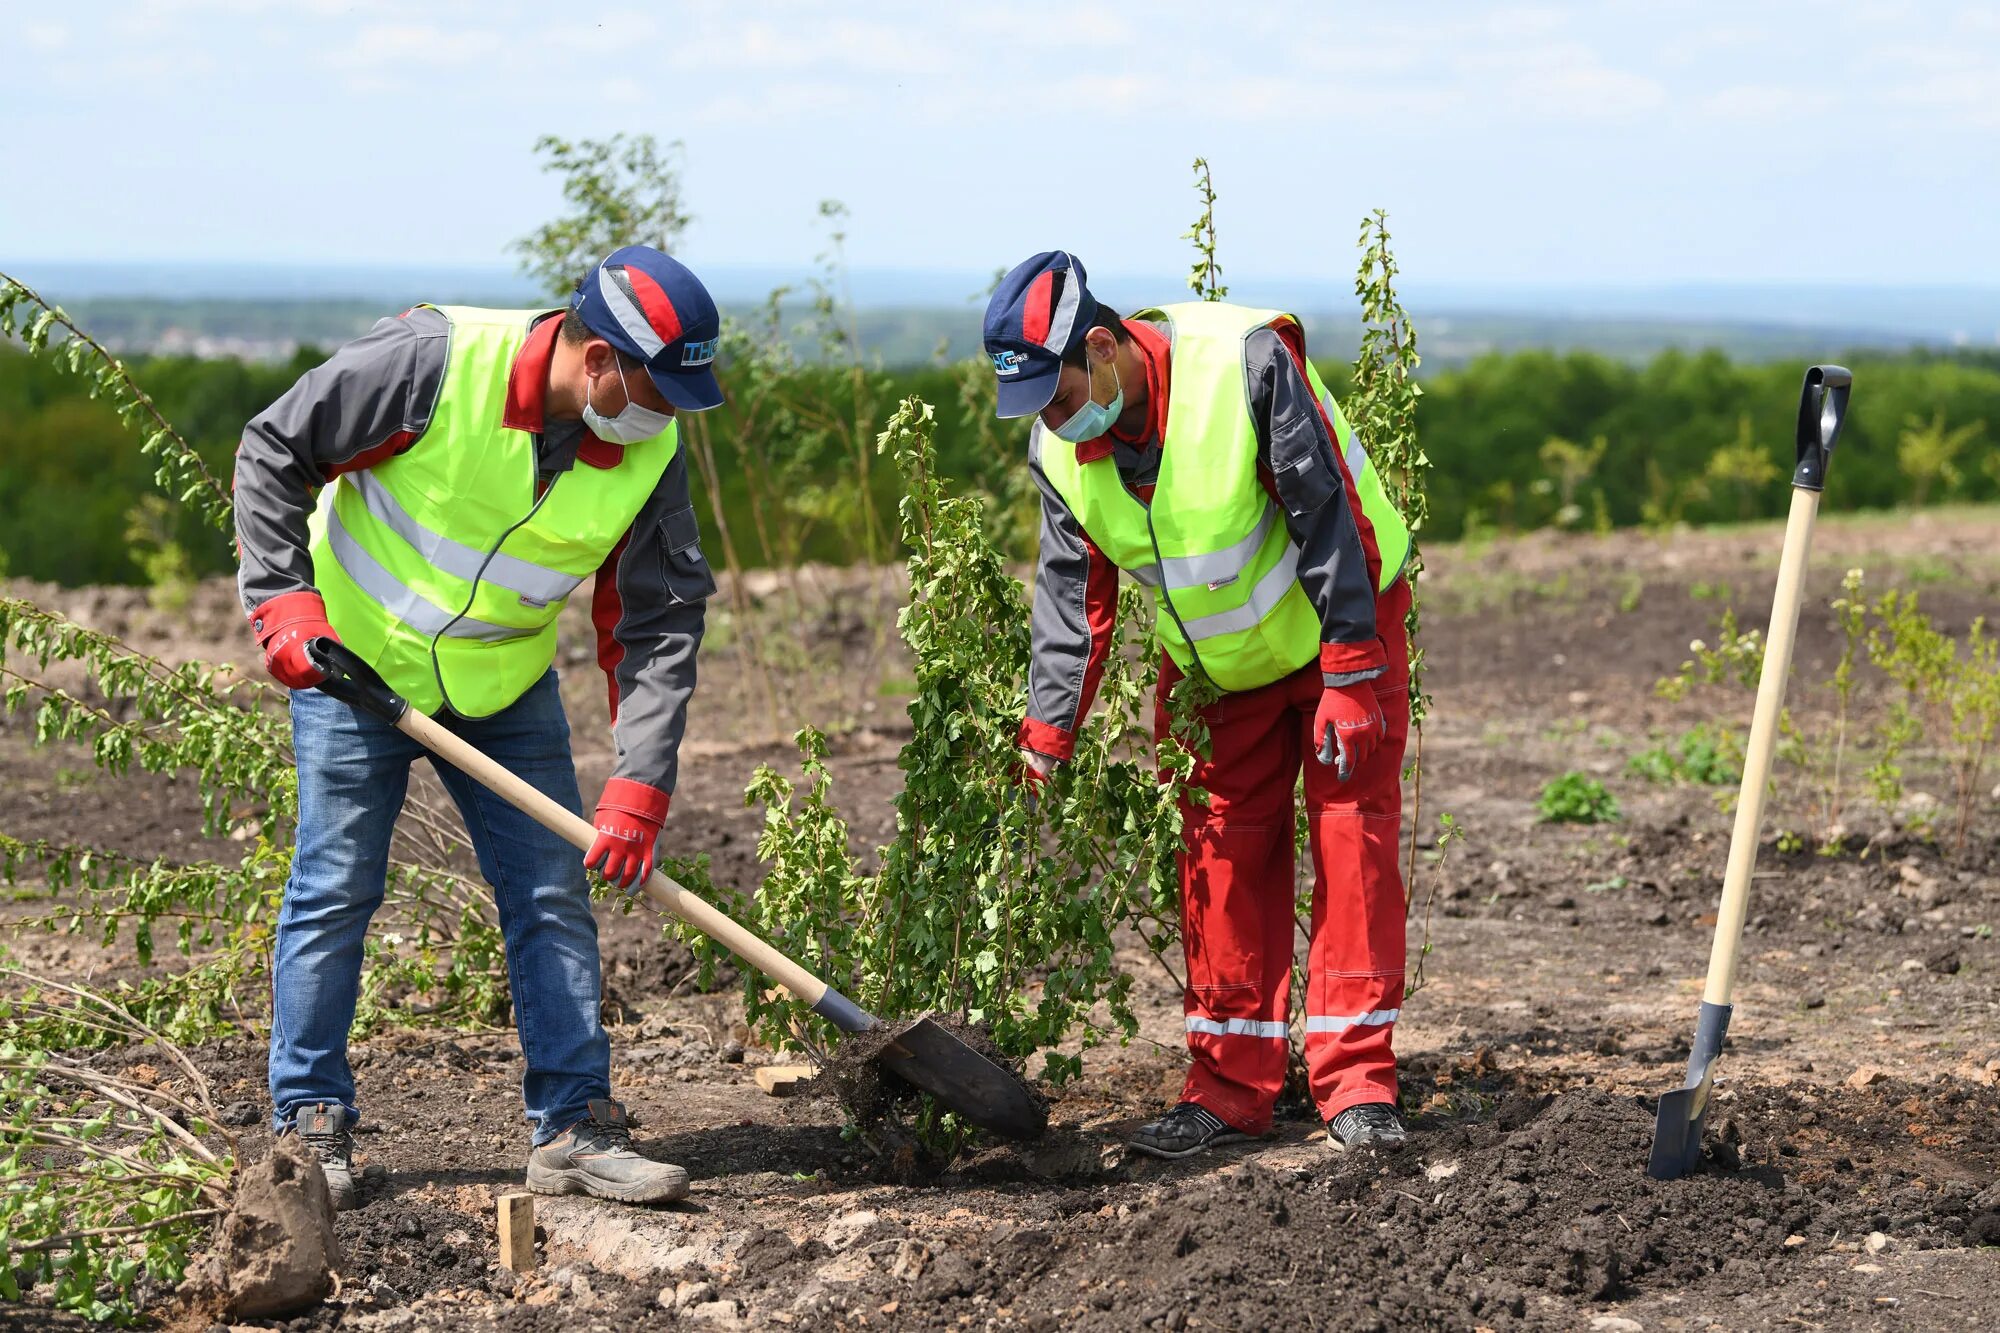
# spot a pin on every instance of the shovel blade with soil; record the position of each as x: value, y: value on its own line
x: 1677, y: 1135
x: 924, y: 1053
x: 928, y: 1055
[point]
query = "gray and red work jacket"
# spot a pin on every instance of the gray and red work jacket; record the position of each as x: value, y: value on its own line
x: 1076, y: 585
x: 371, y: 400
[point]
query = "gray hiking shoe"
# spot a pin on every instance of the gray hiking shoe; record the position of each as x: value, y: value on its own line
x: 1369, y: 1125
x: 1185, y: 1131
x: 329, y: 1131
x: 594, y: 1156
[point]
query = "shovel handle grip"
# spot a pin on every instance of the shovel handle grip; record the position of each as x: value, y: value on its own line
x: 1822, y: 412
x: 348, y: 678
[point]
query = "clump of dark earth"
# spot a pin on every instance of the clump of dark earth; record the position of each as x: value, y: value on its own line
x: 885, y: 1109
x: 852, y: 1076
x: 1476, y: 1224
x: 274, y: 1252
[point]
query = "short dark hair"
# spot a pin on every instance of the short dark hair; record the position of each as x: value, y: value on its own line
x: 1106, y: 319
x: 576, y: 333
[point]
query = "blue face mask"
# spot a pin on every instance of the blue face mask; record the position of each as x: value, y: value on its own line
x: 1093, y: 418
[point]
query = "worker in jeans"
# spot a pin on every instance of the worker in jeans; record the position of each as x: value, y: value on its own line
x: 432, y: 496
x: 1194, y: 448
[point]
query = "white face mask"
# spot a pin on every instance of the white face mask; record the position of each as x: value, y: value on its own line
x: 1092, y: 418
x: 630, y: 426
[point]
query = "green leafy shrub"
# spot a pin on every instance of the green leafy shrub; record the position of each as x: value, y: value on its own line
x: 1575, y: 798
x: 1381, y: 408
x: 109, y: 1174
x: 163, y: 561
x: 1947, y: 696
x: 441, y: 940
x: 1702, y: 755
x: 1816, y: 735
x: 1950, y: 696
x: 986, y: 905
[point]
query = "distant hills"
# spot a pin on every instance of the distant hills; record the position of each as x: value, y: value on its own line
x: 266, y: 311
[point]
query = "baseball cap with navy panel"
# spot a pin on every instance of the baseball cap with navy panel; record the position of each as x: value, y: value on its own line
x: 653, y: 309
x: 1038, y: 315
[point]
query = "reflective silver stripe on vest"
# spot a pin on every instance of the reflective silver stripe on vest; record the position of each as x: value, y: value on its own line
x: 1219, y: 568
x: 537, y: 583
x: 1356, y: 457
x: 404, y: 603
x: 1264, y: 599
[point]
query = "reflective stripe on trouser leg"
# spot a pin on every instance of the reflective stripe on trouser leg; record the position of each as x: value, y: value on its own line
x: 1338, y: 1023
x: 1354, y: 987
x: 1239, y: 1027
x: 1236, y: 928
x: 1237, y: 925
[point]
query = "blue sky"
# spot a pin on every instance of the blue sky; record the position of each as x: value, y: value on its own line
x: 1574, y: 143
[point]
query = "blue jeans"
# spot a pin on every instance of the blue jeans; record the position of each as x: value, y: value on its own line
x: 354, y: 769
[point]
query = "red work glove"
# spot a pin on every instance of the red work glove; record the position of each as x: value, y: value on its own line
x: 282, y: 626
x: 1351, y: 720
x: 629, y: 815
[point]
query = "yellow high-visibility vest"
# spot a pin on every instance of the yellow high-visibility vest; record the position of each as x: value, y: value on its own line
x: 1211, y: 545
x: 442, y: 567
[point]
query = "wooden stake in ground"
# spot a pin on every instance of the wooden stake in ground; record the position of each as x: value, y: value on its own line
x: 517, y: 1232
x: 782, y: 1080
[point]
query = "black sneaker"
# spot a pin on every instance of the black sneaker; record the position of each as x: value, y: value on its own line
x: 1185, y: 1131
x: 1369, y: 1125
x: 594, y: 1156
x: 329, y: 1131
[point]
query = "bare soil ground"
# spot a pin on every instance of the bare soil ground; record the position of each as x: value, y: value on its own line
x: 1855, y: 1140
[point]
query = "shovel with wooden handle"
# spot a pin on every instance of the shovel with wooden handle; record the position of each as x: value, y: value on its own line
x: 923, y: 1053
x: 1677, y: 1137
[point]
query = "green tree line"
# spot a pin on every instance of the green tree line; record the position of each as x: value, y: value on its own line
x: 1521, y: 440
x: 1532, y: 439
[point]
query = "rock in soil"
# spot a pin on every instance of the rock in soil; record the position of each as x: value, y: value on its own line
x: 275, y: 1251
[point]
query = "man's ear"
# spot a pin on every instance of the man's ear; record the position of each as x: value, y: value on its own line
x: 1101, y: 342
x: 598, y: 357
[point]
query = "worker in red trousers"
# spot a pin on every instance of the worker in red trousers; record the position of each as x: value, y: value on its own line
x: 1194, y: 448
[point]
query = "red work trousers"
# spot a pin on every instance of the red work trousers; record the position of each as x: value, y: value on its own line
x: 1236, y: 872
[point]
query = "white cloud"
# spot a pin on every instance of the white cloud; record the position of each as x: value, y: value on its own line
x: 1754, y: 102
x: 630, y: 36
x: 1586, y: 90
x: 1966, y: 96
x: 826, y: 43
x: 762, y: 103
x: 781, y: 101
x: 1957, y: 83
x: 623, y: 90
x: 415, y: 43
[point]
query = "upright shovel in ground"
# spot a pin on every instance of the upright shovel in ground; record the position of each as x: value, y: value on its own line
x: 1677, y: 1138
x: 922, y: 1052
